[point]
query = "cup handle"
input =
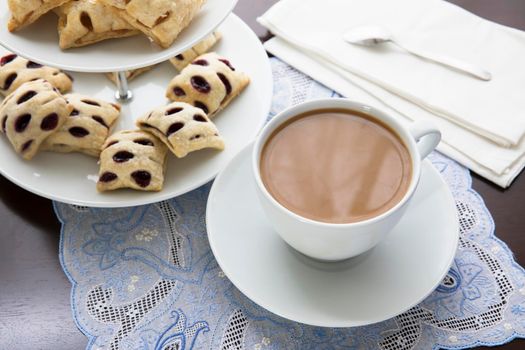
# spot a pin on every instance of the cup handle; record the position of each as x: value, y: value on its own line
x: 427, y: 136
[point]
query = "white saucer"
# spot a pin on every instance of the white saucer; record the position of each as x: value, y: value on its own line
x: 396, y: 275
x: 39, y: 42
x: 71, y: 178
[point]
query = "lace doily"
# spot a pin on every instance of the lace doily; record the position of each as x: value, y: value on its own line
x: 145, y: 278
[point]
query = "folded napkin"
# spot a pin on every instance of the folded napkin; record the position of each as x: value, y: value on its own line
x: 483, y: 123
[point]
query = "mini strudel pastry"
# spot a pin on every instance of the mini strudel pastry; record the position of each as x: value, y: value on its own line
x: 87, y: 127
x: 210, y: 82
x: 32, y: 113
x: 132, y: 159
x: 84, y: 22
x: 16, y: 70
x: 25, y: 12
x: 161, y: 20
x: 182, y: 127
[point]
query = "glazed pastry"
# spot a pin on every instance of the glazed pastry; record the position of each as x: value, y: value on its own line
x: 25, y: 12
x: 210, y: 82
x: 132, y: 159
x: 85, y: 22
x: 15, y: 71
x: 87, y: 127
x: 161, y: 20
x: 130, y: 74
x: 31, y: 114
x: 182, y: 127
x: 182, y: 60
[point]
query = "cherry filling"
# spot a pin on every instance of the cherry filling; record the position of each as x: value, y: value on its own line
x: 50, y: 122
x: 86, y: 21
x: 4, y: 122
x: 32, y: 64
x: 200, y: 84
x: 174, y: 128
x: 226, y: 62
x: 201, y: 62
x: 26, y: 145
x: 78, y: 131
x: 199, y: 118
x: 93, y: 103
x: 173, y: 110
x: 226, y: 83
x: 144, y: 142
x: 142, y: 178
x: 27, y: 96
x: 178, y: 91
x: 22, y: 122
x: 9, y: 80
x: 195, y: 137
x: 107, y: 177
x: 123, y: 156
x: 74, y: 113
x: 180, y: 57
x: 99, y: 120
x: 202, y: 106
x: 162, y: 18
x: 6, y: 59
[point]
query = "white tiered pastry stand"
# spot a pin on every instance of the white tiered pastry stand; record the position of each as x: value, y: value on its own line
x: 71, y: 178
x: 39, y: 42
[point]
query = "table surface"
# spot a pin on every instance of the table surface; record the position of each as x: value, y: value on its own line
x: 35, y: 311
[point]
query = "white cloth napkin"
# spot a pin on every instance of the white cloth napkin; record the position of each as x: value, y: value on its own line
x: 483, y: 123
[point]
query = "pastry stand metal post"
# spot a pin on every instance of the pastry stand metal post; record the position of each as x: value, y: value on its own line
x: 123, y: 93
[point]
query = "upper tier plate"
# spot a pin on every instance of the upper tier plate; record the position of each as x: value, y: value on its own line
x: 39, y: 42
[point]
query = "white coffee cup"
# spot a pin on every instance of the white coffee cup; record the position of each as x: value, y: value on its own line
x: 333, y: 242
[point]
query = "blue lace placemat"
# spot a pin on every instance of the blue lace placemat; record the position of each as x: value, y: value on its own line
x: 145, y: 278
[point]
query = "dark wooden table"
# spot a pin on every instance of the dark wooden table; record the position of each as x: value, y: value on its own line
x: 35, y: 311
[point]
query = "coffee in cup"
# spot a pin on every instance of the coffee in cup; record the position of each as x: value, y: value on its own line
x: 336, y: 166
x: 335, y: 176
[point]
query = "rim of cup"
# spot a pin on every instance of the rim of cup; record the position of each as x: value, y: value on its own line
x: 344, y: 104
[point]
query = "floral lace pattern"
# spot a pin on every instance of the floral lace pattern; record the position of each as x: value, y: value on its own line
x: 145, y: 278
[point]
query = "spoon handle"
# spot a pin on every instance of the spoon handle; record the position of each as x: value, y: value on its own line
x: 466, y: 67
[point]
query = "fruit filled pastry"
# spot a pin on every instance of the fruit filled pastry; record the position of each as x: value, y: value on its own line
x: 161, y: 20
x: 210, y: 82
x: 85, y: 22
x: 87, y: 127
x: 182, y: 60
x: 132, y: 159
x: 31, y: 114
x: 25, y: 12
x: 130, y: 74
x: 182, y: 127
x: 15, y: 71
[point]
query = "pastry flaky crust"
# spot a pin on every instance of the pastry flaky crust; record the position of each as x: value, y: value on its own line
x: 161, y: 20
x: 210, y: 82
x: 85, y: 22
x: 87, y: 127
x: 25, y: 12
x: 31, y: 114
x: 132, y: 159
x: 15, y: 71
x: 182, y: 60
x: 182, y: 127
